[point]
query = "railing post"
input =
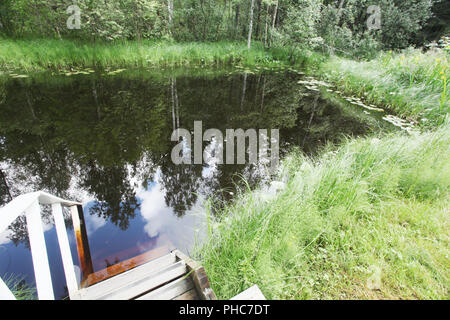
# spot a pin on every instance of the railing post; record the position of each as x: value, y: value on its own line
x: 84, y: 253
x: 64, y: 246
x: 39, y: 252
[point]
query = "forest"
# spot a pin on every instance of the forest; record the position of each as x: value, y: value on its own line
x: 314, y: 24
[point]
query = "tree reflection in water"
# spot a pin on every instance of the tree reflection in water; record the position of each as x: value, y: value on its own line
x: 108, y: 136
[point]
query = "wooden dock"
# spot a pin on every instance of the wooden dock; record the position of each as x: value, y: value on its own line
x: 173, y: 276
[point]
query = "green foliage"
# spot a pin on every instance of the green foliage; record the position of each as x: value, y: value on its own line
x: 129, y: 19
x: 34, y: 55
x: 104, y: 20
x: 346, y: 30
x: 411, y: 83
x: 402, y: 20
x: 297, y: 23
x: 19, y: 287
x: 368, y: 220
x: 437, y: 26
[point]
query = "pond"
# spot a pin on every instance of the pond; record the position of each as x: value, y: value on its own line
x: 104, y: 138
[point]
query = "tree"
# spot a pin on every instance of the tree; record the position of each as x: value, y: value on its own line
x: 250, y: 28
x: 346, y: 29
x: 298, y: 23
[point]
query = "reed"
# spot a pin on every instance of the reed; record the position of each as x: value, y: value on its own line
x: 48, y: 54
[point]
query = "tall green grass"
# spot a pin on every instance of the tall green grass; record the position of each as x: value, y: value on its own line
x: 367, y: 220
x: 44, y: 54
x: 411, y: 83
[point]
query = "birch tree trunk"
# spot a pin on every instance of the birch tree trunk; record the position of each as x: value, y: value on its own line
x: 170, y: 9
x: 172, y: 91
x: 273, y: 22
x: 250, y: 28
x: 275, y: 15
x: 244, y: 88
x: 267, y: 25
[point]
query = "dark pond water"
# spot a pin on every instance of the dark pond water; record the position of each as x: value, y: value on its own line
x: 104, y: 139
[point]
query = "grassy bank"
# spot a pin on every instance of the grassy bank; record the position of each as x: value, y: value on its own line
x: 367, y: 220
x: 45, y: 54
x: 413, y: 84
x: 20, y: 289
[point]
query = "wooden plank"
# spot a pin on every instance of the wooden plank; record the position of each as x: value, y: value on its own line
x: 126, y: 265
x: 190, y: 295
x: 39, y: 255
x: 122, y: 279
x: 198, y: 275
x: 192, y: 264
x: 139, y: 286
x: 252, y: 293
x: 170, y: 291
x: 64, y: 247
x: 202, y: 285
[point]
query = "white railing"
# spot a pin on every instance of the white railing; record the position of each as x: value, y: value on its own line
x: 30, y: 205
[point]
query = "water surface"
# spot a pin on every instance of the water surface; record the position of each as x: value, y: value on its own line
x: 103, y: 138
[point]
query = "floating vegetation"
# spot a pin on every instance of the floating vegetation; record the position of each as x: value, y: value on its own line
x: 400, y: 123
x: 358, y: 102
x: 72, y: 72
x: 116, y: 71
x: 313, y: 82
x: 312, y: 88
x: 18, y: 76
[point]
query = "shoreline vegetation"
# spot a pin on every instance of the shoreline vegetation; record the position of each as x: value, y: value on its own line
x: 364, y: 220
x: 367, y: 219
x: 411, y: 83
x: 56, y: 55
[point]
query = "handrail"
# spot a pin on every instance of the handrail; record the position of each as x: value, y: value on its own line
x: 29, y: 203
x: 12, y: 210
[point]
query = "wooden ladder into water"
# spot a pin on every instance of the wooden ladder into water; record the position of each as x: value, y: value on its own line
x: 171, y: 277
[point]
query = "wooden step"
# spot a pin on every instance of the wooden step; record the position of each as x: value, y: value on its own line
x: 171, y: 290
x: 144, y: 285
x: 137, y: 281
x: 190, y: 295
